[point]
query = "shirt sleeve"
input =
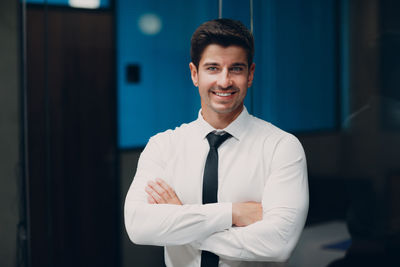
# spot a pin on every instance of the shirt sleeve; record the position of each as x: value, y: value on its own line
x: 285, y: 206
x: 164, y: 224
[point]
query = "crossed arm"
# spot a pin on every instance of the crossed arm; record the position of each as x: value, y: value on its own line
x: 243, y: 214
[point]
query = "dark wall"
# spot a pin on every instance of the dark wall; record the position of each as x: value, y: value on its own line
x: 9, y: 131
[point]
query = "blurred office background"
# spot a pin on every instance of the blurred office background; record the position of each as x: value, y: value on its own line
x: 85, y: 83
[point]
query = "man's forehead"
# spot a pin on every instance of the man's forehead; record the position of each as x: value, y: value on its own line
x: 217, y: 54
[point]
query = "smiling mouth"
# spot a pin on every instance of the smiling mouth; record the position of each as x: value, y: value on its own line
x: 223, y: 94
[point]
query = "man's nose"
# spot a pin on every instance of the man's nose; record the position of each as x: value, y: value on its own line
x: 224, y: 79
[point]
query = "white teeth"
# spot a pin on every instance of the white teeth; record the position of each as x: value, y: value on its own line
x: 223, y: 94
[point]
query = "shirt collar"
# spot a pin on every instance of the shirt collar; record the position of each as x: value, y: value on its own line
x: 236, y: 128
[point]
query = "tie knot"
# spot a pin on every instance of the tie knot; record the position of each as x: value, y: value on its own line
x: 215, y: 140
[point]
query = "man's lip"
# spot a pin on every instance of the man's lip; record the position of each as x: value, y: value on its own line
x: 223, y: 92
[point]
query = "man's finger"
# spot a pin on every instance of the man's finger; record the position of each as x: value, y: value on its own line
x: 166, y: 187
x: 150, y: 200
x: 160, y: 190
x: 157, y: 198
x: 162, y: 193
x: 173, y: 198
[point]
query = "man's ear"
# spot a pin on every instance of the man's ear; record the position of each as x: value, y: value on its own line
x: 251, y: 75
x: 194, y: 73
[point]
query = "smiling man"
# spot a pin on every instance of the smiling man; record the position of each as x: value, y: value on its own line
x: 222, y: 76
x: 227, y: 189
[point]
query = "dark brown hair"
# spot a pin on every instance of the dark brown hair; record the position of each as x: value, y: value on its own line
x: 224, y: 32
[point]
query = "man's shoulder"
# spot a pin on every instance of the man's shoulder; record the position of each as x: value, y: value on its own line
x: 268, y: 131
x: 178, y: 132
x: 265, y: 128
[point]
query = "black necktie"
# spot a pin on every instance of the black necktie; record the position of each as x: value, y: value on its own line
x: 210, y: 186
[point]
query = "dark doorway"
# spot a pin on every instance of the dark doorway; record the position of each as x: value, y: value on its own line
x: 73, y: 185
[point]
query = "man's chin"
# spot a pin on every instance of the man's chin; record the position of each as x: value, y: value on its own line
x: 223, y: 110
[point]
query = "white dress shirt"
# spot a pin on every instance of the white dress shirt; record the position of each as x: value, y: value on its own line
x: 259, y: 163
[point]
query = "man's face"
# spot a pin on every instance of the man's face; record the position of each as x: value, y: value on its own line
x: 222, y: 77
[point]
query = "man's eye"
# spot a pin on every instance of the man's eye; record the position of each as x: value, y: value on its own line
x: 212, y: 68
x: 237, y: 69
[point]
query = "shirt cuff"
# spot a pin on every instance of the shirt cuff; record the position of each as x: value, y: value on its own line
x: 219, y: 215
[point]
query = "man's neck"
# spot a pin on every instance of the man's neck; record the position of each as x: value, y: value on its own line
x: 221, y: 120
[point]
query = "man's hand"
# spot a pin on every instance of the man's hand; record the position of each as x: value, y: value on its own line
x: 246, y: 213
x: 159, y: 192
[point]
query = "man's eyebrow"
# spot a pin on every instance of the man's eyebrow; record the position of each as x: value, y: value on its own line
x: 239, y: 64
x: 210, y: 64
